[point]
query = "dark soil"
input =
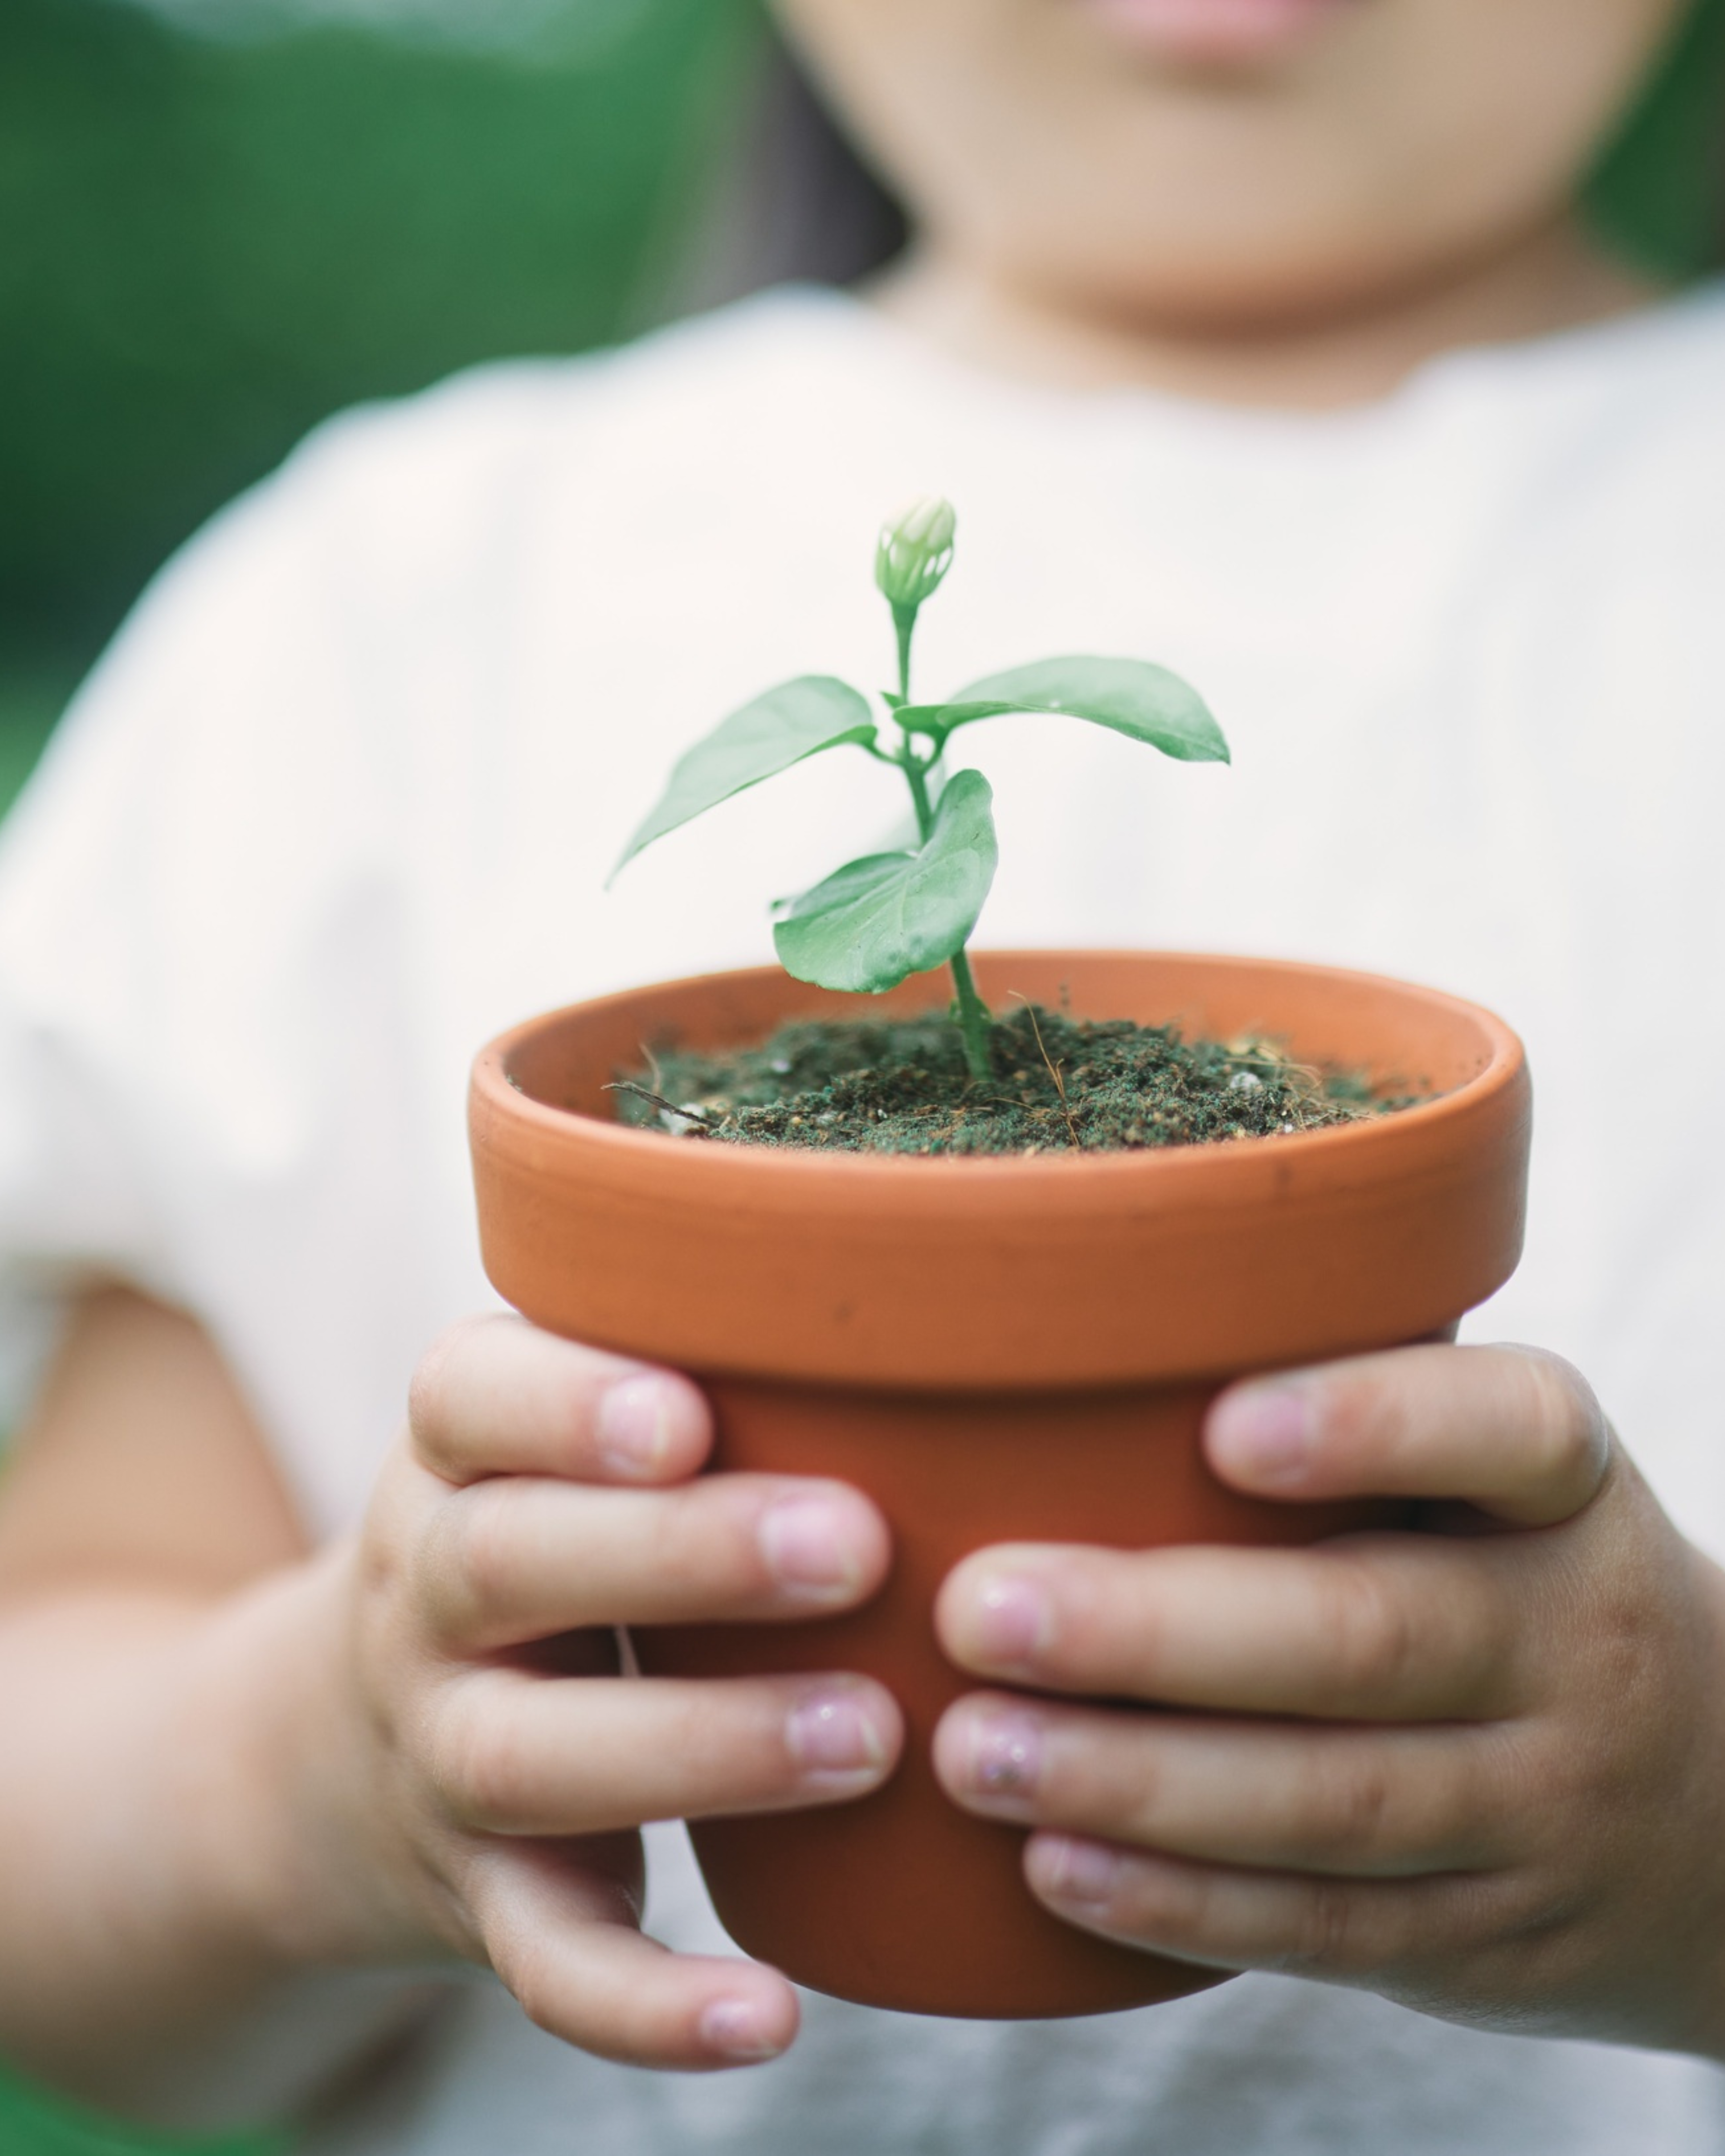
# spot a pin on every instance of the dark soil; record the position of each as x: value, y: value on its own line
x: 1060, y: 1085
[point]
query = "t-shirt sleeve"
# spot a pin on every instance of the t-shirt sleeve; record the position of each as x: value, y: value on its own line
x: 224, y: 898
x: 203, y: 931
x: 144, y: 898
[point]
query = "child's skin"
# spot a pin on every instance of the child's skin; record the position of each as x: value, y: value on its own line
x: 1103, y: 193
x: 1481, y: 1769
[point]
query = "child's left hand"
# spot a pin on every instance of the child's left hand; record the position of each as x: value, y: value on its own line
x: 1479, y: 1769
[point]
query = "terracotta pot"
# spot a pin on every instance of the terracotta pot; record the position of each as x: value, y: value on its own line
x: 994, y: 1349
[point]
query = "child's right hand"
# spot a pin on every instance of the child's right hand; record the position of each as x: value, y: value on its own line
x: 543, y: 1495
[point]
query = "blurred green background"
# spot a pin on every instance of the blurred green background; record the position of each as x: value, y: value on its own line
x: 213, y: 238
x: 223, y: 219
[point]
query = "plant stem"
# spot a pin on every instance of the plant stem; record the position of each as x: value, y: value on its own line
x: 973, y: 1019
x: 915, y: 774
x: 972, y: 1016
x: 904, y: 620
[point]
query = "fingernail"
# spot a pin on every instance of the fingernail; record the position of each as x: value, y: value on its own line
x: 801, y: 1541
x: 831, y: 1735
x: 1264, y: 1431
x: 1081, y: 1871
x: 737, y: 2028
x: 1012, y: 1621
x: 634, y: 1427
x: 1005, y: 1758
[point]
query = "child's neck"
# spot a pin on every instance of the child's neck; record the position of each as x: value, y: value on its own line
x: 1320, y: 358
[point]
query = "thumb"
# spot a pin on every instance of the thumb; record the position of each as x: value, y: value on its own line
x: 1514, y: 1431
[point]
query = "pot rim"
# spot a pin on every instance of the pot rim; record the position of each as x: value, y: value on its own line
x: 1503, y: 1069
x: 1116, y: 1268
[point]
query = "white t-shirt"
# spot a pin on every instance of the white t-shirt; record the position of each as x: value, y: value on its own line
x: 337, y: 807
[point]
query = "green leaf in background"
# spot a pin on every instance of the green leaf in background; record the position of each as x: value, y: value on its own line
x: 890, y: 915
x: 1659, y: 178
x: 213, y: 241
x: 1147, y: 703
x: 796, y: 720
x: 32, y: 2122
x: 31, y: 701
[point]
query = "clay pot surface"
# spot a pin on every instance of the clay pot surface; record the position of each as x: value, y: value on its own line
x: 995, y: 1349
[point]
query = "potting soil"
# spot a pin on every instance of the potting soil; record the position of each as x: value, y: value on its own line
x: 1058, y: 1084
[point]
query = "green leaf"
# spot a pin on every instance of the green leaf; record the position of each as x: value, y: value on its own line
x: 796, y: 720
x: 889, y: 915
x: 1147, y: 703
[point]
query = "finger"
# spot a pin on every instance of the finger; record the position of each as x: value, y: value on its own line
x: 512, y: 1754
x: 567, y: 1945
x: 1379, y: 1628
x: 497, y: 1396
x: 1512, y: 1431
x: 517, y: 1559
x: 1354, y: 1803
x: 1342, y: 1928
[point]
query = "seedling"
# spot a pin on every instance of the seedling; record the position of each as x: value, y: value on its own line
x: 878, y: 920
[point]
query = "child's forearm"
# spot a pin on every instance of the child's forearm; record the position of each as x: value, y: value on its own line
x: 178, y: 1949
x: 221, y: 1814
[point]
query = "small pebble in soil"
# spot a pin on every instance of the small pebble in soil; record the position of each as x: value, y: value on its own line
x: 1058, y: 1084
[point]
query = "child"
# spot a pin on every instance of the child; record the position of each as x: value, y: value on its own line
x: 1262, y: 336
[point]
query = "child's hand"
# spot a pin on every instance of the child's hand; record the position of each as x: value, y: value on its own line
x: 542, y: 1497
x: 1479, y: 1769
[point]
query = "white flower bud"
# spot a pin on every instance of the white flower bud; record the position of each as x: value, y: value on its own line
x: 914, y: 550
